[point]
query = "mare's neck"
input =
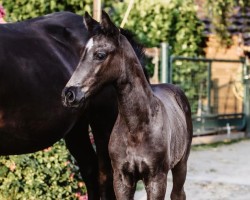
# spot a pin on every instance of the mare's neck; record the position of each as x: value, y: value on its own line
x: 135, y: 97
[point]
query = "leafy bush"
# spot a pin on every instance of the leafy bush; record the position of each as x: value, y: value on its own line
x: 49, y: 174
x: 23, y: 9
x: 174, y: 22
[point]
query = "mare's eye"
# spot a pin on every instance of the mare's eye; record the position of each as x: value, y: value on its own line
x: 100, y: 55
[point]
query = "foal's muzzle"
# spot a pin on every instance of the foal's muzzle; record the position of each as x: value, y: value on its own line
x: 72, y: 97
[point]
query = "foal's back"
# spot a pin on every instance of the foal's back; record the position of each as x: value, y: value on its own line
x: 178, y: 119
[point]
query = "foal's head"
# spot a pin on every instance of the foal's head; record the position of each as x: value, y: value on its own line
x: 101, y: 63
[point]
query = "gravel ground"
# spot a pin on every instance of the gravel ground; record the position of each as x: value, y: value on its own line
x: 216, y: 173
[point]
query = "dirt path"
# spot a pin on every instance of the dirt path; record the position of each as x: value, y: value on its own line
x: 216, y: 173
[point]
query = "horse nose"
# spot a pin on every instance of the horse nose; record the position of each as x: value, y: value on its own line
x: 72, y: 96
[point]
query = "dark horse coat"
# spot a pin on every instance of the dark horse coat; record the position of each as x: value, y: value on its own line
x: 153, y: 131
x: 37, y: 58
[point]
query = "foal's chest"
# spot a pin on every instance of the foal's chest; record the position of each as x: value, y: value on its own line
x: 140, y: 151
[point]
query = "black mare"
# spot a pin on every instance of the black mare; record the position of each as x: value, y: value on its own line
x: 37, y: 58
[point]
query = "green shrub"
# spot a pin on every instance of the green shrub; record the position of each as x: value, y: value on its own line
x: 174, y: 22
x: 48, y: 174
x: 24, y: 9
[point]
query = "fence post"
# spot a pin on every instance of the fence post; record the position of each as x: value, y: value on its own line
x: 247, y: 107
x: 246, y: 96
x: 166, y: 67
x: 209, y: 88
x: 97, y: 10
x: 164, y: 62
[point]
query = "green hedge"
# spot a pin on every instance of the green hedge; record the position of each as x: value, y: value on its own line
x: 23, y: 9
x: 45, y: 175
x: 174, y: 22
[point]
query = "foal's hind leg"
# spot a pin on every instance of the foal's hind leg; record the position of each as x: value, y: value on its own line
x: 179, y: 176
x: 79, y: 145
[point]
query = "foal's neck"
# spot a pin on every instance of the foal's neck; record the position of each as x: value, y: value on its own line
x: 135, y: 97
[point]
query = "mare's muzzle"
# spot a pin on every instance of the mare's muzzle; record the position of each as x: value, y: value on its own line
x: 72, y: 97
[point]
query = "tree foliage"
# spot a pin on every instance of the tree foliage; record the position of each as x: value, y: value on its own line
x: 24, y: 9
x: 219, y: 12
x: 174, y: 22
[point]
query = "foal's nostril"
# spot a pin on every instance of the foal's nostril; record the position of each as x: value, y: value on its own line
x: 70, y: 96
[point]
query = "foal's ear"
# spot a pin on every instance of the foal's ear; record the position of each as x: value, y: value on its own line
x: 109, y: 26
x: 89, y: 22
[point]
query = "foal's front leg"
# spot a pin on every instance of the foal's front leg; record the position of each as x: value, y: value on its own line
x: 124, y: 186
x: 156, y: 186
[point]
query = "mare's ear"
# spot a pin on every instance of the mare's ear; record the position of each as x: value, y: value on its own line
x: 109, y: 26
x: 89, y: 22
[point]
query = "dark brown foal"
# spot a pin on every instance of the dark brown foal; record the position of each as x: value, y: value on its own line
x: 153, y: 131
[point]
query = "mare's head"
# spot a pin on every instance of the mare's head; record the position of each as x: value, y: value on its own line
x: 102, y: 61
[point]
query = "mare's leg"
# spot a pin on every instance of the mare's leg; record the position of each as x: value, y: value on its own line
x: 156, y: 186
x: 79, y: 145
x: 104, y: 163
x: 102, y: 115
x: 179, y: 176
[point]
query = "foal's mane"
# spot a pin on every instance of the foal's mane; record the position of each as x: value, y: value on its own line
x: 137, y: 46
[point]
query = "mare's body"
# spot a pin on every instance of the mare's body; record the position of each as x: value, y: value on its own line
x: 37, y: 58
x: 153, y: 130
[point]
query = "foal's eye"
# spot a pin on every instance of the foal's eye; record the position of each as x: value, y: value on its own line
x: 101, y: 55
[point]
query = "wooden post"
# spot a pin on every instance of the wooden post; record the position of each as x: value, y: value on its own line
x: 97, y: 10
x: 247, y: 108
x: 125, y: 18
x: 164, y: 63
